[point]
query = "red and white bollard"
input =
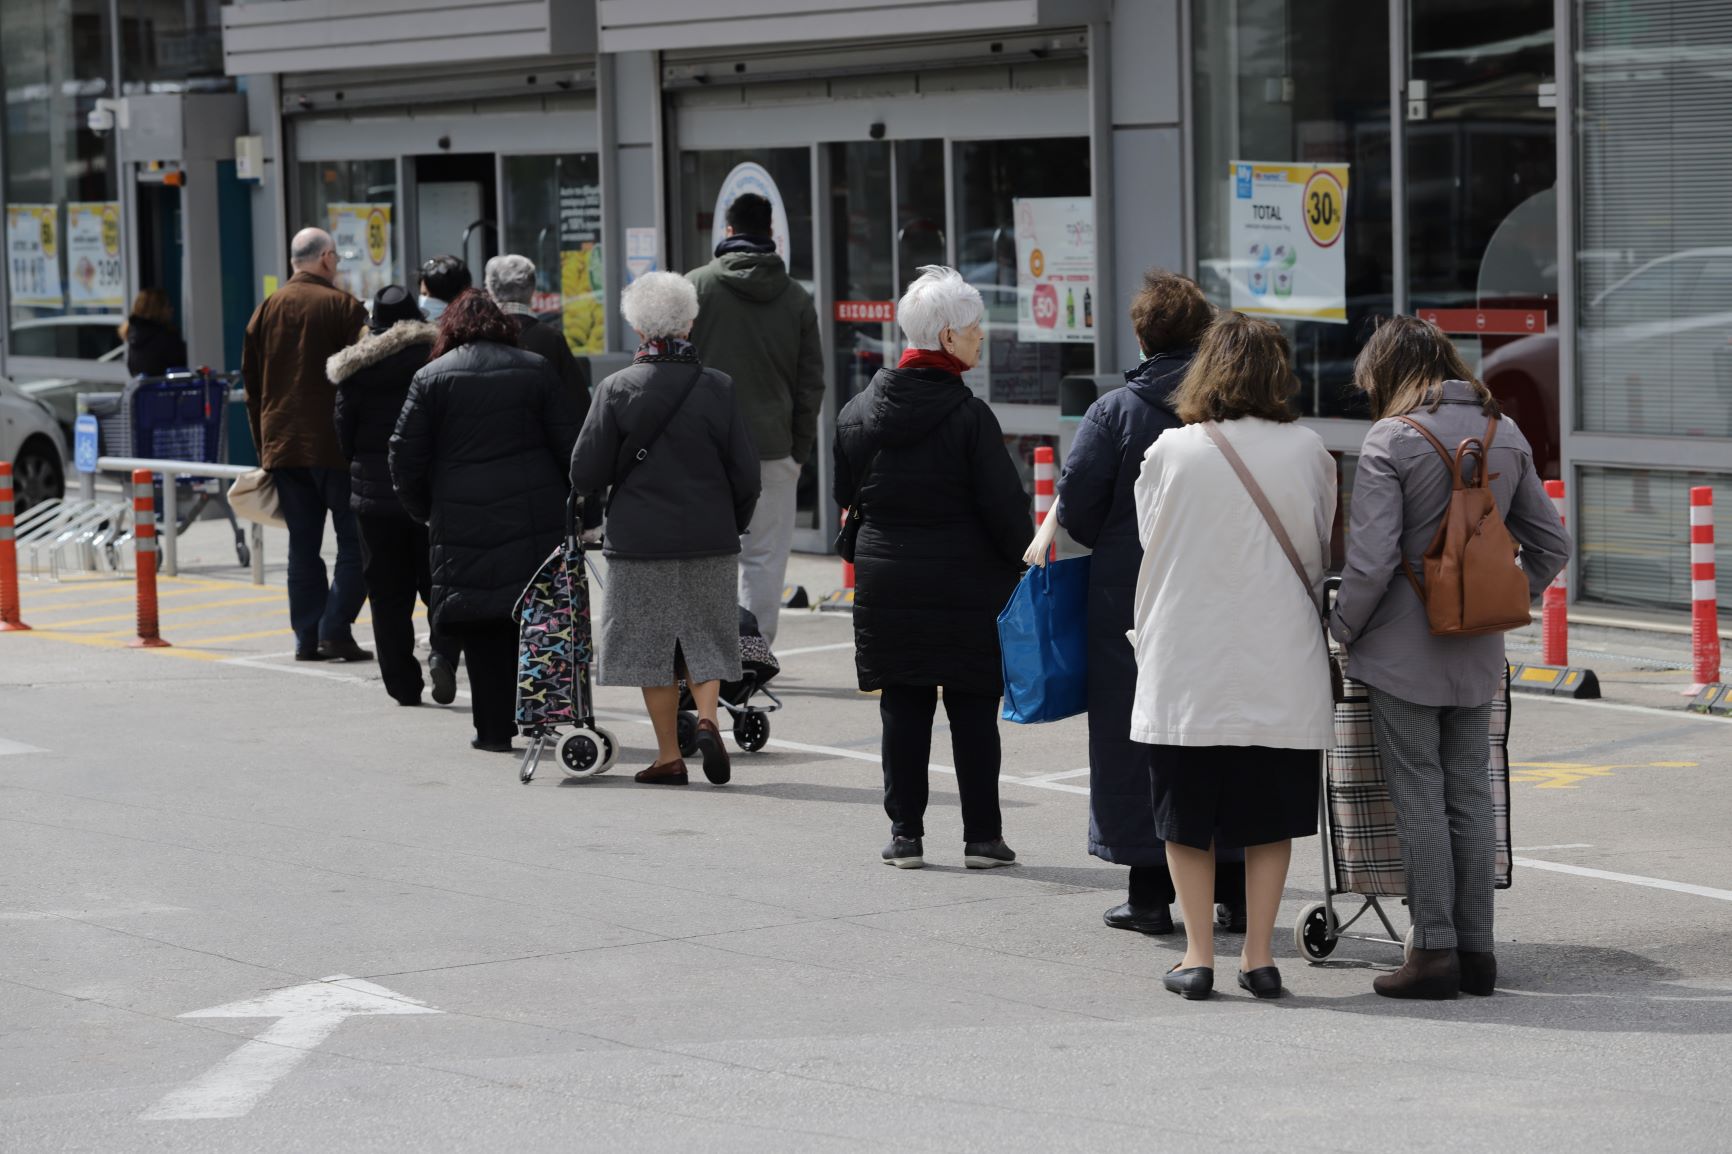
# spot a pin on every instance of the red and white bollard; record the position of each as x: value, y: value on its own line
x: 1704, y: 614
x: 1045, y: 489
x: 144, y: 558
x: 1555, y: 604
x: 9, y: 611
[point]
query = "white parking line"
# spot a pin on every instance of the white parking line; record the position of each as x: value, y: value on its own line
x: 1620, y: 707
x: 781, y: 653
x: 8, y: 747
x: 1627, y: 879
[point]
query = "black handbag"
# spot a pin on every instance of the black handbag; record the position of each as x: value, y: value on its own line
x: 849, y: 533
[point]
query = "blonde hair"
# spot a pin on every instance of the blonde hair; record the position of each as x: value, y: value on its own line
x: 1243, y: 368
x: 1404, y: 362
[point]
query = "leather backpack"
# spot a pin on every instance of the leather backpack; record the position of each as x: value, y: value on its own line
x: 1473, y: 584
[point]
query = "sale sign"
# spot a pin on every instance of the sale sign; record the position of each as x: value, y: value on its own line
x: 1055, y: 269
x: 1287, y: 226
x: 33, y: 256
x: 93, y: 260
x: 363, y: 236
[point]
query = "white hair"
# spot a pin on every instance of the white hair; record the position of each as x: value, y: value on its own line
x: 660, y: 304
x: 939, y: 300
x: 510, y: 278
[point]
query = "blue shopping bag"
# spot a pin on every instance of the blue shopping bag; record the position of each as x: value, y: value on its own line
x: 1043, y: 636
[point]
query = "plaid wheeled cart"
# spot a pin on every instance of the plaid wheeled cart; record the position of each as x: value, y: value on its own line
x: 1361, y: 850
x: 555, y: 650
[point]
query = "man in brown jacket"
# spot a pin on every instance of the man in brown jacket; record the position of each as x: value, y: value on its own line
x: 291, y: 403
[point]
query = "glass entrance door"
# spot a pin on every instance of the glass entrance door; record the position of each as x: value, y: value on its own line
x: 1482, y: 253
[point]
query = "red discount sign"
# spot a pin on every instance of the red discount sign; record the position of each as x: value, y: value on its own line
x: 1045, y: 305
x: 866, y: 312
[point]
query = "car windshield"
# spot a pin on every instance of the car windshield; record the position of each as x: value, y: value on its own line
x: 84, y: 338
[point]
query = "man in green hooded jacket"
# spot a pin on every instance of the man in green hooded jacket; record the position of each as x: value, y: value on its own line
x: 756, y: 324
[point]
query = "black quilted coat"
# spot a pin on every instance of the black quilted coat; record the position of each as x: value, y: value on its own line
x: 480, y: 455
x: 372, y: 379
x: 945, y: 524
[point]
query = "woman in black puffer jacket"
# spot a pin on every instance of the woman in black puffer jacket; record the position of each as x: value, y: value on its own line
x: 372, y: 379
x: 944, y: 519
x: 480, y: 456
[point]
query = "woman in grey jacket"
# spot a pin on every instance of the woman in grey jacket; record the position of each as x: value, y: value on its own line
x: 667, y: 435
x: 1430, y: 695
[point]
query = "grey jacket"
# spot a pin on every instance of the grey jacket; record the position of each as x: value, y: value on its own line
x: 694, y: 493
x: 1399, y: 497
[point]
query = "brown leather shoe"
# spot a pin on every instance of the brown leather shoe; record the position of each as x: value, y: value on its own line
x: 1478, y: 972
x: 717, y: 767
x: 1432, y: 975
x: 663, y: 773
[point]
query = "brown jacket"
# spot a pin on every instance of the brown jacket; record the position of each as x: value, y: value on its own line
x: 290, y: 400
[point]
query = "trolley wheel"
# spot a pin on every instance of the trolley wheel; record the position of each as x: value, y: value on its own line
x: 580, y: 752
x: 1311, y: 933
x: 752, y: 731
x: 688, y: 729
x: 609, y: 749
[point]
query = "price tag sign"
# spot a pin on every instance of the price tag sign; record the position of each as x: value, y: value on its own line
x: 84, y: 444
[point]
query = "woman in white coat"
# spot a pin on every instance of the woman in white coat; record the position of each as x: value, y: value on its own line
x: 1232, y: 676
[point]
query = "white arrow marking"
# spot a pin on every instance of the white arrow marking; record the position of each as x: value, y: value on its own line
x: 306, y: 1016
x: 8, y: 747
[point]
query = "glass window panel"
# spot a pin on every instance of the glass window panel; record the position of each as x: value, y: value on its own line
x: 54, y: 66
x: 1303, y: 82
x: 1631, y: 535
x: 373, y: 183
x: 553, y: 217
x: 990, y: 175
x: 862, y: 259
x: 172, y: 46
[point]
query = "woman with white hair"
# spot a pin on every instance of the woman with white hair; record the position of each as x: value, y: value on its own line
x: 667, y: 436
x: 941, y: 520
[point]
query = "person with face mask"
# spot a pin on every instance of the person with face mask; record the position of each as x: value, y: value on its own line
x: 443, y: 279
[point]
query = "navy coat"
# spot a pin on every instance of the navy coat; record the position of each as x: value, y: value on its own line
x: 1096, y: 507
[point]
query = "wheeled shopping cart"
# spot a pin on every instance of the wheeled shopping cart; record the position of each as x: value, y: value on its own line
x: 554, y: 654
x: 751, y: 719
x: 1361, y: 850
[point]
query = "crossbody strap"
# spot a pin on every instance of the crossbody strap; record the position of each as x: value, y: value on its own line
x: 1262, y: 503
x: 634, y: 455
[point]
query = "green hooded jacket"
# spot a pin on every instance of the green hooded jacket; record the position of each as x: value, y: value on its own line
x: 758, y: 326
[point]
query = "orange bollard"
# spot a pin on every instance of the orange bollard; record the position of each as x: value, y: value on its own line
x: 1555, y: 604
x: 1045, y: 489
x: 144, y: 558
x: 9, y: 619
x: 1704, y: 608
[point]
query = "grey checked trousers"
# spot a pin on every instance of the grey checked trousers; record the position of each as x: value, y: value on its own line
x: 1435, y: 759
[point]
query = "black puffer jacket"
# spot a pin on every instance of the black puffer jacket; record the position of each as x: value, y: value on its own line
x: 694, y: 493
x: 479, y: 455
x: 945, y: 524
x: 152, y: 349
x: 372, y: 380
x: 540, y: 337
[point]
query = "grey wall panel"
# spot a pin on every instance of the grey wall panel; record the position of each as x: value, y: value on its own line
x: 1148, y: 219
x: 959, y: 115
x: 1148, y: 74
x: 303, y: 35
x: 375, y: 137
x: 635, y: 80
x: 631, y: 25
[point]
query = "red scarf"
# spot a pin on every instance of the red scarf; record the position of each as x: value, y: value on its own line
x: 931, y: 359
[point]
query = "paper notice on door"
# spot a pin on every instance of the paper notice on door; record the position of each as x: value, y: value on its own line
x: 363, y: 236
x: 33, y: 256
x: 97, y: 276
x: 1287, y: 224
x: 1055, y: 269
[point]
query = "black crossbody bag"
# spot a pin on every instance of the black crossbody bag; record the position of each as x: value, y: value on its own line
x: 632, y: 454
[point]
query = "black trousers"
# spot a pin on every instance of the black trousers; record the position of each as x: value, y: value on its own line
x: 907, y: 712
x: 396, y: 564
x: 490, y: 654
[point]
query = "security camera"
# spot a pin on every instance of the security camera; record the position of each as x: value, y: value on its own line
x: 101, y: 121
x: 877, y: 130
x: 108, y: 115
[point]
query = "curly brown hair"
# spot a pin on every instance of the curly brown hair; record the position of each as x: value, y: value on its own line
x: 1170, y: 312
x: 1402, y: 365
x: 1243, y: 368
x: 472, y: 317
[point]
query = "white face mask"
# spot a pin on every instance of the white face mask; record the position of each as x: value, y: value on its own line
x: 431, y: 306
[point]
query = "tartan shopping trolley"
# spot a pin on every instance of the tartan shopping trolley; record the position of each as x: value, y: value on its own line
x: 1361, y: 851
x: 555, y: 650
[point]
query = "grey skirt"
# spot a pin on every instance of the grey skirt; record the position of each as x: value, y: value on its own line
x: 651, y: 609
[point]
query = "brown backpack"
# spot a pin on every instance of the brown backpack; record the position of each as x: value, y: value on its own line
x: 1472, y: 582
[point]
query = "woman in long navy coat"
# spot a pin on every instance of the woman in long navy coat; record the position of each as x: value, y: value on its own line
x: 1096, y: 508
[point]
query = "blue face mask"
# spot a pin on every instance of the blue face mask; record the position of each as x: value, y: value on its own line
x: 431, y: 306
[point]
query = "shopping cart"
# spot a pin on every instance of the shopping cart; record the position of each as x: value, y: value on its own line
x: 1361, y: 850
x: 555, y: 651
x: 182, y: 416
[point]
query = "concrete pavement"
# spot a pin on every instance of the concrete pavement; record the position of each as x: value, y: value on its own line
x: 635, y: 968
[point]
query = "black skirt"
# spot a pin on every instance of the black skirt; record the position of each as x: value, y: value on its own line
x: 1233, y: 795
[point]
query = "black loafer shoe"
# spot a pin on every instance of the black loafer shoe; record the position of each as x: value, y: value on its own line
x: 344, y: 650
x: 985, y: 855
x: 1263, y: 982
x: 501, y: 746
x: 1142, y: 919
x: 904, y: 853
x: 717, y: 767
x: 1193, y: 984
x: 444, y: 679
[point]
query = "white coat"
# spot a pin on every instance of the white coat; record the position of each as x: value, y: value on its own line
x: 1229, y: 645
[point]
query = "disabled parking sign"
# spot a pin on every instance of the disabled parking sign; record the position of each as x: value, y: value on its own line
x: 84, y: 446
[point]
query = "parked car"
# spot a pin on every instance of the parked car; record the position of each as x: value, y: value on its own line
x: 91, y: 337
x: 31, y: 438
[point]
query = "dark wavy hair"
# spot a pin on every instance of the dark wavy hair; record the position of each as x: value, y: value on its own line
x: 1170, y: 313
x: 473, y: 317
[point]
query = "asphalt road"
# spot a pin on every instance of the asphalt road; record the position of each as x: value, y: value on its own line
x: 631, y: 968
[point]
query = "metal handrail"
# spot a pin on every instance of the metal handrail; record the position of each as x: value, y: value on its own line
x: 167, y: 543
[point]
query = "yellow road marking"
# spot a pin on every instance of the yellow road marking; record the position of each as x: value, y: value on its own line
x: 1567, y: 774
x: 97, y: 642
x: 278, y: 596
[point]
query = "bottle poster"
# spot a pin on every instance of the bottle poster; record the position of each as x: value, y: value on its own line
x: 33, y: 256
x: 1055, y: 269
x: 1286, y: 223
x: 97, y: 274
